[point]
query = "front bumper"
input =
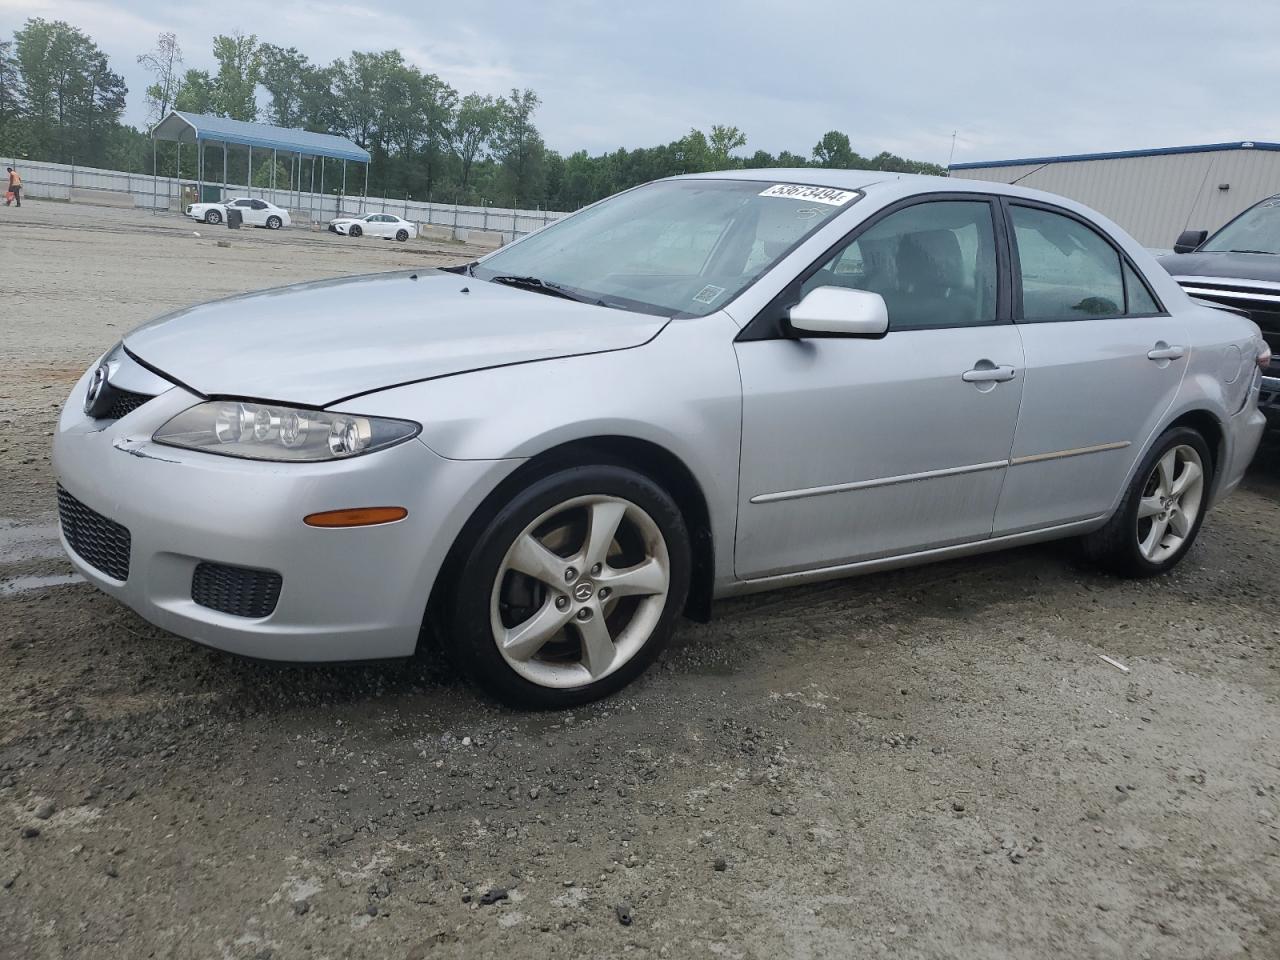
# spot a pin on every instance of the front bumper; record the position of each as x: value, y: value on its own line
x: 347, y: 594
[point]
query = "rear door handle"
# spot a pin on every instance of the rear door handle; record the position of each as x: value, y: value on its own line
x: 988, y: 374
x: 1162, y: 351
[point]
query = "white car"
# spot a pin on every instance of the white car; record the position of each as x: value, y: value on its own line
x: 256, y: 213
x: 386, y: 225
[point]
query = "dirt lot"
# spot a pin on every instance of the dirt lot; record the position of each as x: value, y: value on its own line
x: 932, y: 763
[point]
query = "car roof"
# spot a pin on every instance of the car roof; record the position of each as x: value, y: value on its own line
x: 874, y: 182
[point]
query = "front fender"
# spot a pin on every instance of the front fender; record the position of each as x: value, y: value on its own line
x: 681, y: 391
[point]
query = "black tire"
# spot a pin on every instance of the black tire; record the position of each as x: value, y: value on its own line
x: 465, y: 630
x: 274, y: 222
x: 354, y: 231
x: 213, y: 217
x: 1115, y: 547
x: 402, y: 235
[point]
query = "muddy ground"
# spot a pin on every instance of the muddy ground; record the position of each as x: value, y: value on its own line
x: 930, y: 763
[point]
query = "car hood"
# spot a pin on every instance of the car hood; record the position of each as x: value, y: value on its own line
x: 1235, y: 266
x: 317, y: 343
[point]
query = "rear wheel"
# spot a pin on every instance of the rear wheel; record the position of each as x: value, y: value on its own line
x: 213, y: 217
x: 572, y: 589
x: 274, y: 222
x: 402, y: 235
x: 354, y: 231
x: 1161, y: 513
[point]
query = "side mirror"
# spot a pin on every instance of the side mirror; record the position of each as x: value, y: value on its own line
x: 840, y: 312
x: 1188, y: 240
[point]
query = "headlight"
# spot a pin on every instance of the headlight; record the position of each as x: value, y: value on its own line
x: 256, y: 431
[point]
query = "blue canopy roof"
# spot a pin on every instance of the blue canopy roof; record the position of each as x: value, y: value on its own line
x: 190, y: 127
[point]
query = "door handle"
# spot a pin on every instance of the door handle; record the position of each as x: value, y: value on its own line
x: 1162, y: 351
x: 988, y: 374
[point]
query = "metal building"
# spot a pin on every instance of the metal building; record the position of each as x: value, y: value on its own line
x: 1154, y: 194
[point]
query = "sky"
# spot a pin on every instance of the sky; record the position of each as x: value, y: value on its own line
x: 1007, y: 78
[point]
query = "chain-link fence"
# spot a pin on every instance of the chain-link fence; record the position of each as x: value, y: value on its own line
x: 59, y: 181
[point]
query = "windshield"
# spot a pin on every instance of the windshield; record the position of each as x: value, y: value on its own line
x: 674, y: 248
x: 1257, y: 230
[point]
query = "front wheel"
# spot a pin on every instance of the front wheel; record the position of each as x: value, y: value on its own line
x: 402, y: 235
x: 274, y: 223
x: 1161, y: 513
x: 213, y: 217
x: 354, y: 232
x: 572, y: 589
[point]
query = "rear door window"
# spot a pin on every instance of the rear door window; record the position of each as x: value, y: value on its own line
x: 1069, y: 272
x: 1138, y: 299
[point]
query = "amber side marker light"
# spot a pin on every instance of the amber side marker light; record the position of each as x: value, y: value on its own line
x: 356, y: 517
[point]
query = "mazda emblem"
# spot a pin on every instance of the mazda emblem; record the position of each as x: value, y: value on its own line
x: 96, y: 386
x: 582, y: 592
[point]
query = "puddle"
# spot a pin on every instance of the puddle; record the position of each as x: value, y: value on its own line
x: 17, y: 585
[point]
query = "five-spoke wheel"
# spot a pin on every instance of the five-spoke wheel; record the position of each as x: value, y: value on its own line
x: 580, y: 591
x: 1160, y: 514
x: 1170, y: 503
x: 572, y: 588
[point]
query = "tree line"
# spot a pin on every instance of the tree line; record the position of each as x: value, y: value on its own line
x: 61, y: 101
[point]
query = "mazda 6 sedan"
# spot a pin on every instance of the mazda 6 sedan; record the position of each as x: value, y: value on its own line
x: 700, y: 387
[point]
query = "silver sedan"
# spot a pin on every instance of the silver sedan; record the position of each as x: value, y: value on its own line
x: 701, y: 387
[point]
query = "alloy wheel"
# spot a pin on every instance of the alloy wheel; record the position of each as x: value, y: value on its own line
x: 580, y: 591
x: 1171, y: 503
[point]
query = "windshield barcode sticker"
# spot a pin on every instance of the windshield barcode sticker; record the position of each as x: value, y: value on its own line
x: 799, y: 191
x: 708, y: 294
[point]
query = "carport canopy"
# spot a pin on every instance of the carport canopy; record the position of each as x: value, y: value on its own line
x: 202, y: 129
x: 196, y: 127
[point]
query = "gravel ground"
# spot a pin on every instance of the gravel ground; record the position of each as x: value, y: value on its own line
x: 929, y: 763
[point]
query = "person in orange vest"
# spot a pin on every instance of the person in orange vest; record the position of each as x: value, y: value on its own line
x: 15, y: 187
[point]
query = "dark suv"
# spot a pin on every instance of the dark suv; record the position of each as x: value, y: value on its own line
x: 1239, y: 267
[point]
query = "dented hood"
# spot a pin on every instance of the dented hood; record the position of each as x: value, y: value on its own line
x: 317, y: 343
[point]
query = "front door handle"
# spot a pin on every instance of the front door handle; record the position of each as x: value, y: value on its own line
x: 1162, y: 351
x: 986, y: 372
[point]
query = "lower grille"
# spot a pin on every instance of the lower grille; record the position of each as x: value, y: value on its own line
x: 99, y: 542
x: 239, y: 591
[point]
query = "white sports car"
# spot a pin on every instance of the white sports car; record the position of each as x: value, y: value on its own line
x: 256, y: 213
x: 386, y: 225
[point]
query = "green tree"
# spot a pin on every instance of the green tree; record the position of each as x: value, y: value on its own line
x: 239, y: 72
x: 692, y: 153
x: 196, y: 93
x: 474, y: 123
x: 283, y: 76
x: 360, y: 89
x: 165, y: 64
x: 71, y: 96
x: 724, y: 140
x: 518, y: 147
x: 9, y: 88
x: 834, y: 150
x: 301, y: 92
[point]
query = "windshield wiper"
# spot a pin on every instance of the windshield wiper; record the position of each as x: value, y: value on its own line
x: 538, y: 285
x: 1268, y: 252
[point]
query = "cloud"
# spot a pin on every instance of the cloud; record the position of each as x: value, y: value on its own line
x: 1010, y: 78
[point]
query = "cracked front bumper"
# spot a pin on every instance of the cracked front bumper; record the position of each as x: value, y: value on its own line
x: 346, y: 594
